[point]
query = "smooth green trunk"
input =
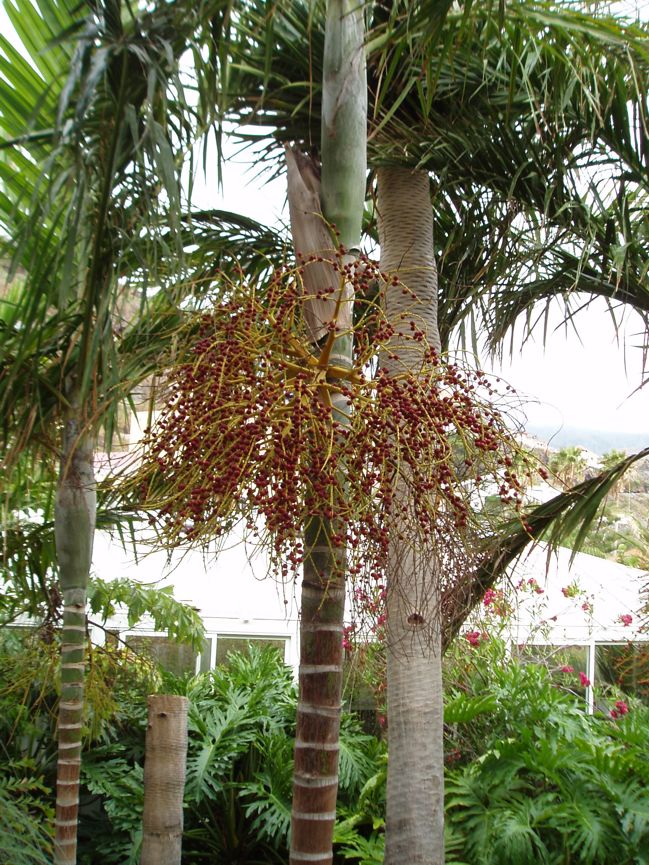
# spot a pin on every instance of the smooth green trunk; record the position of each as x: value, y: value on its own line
x: 344, y: 121
x: 75, y: 514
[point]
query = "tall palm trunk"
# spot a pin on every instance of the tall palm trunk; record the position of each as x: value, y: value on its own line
x: 344, y: 119
x: 75, y: 513
x: 415, y: 788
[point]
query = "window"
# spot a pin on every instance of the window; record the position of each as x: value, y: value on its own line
x: 178, y: 658
x: 625, y: 665
x: 181, y: 659
x: 230, y: 643
x: 564, y: 663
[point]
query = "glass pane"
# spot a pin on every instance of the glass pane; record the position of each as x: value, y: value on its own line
x: 225, y: 645
x: 206, y: 656
x: 112, y: 638
x: 363, y: 692
x: 564, y: 663
x: 625, y: 665
x: 176, y: 657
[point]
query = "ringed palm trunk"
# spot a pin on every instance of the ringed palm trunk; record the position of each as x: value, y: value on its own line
x: 415, y: 786
x: 340, y: 199
x: 75, y: 514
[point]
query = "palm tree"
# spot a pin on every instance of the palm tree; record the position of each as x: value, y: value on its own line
x: 569, y: 465
x: 314, y: 207
x: 609, y: 460
x: 90, y: 128
x: 415, y: 783
x: 491, y: 109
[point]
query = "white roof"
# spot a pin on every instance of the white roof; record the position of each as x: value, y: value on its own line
x: 597, y: 594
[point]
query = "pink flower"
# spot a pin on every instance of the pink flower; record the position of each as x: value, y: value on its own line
x: 621, y: 707
x: 565, y: 591
x: 625, y: 619
x: 614, y: 714
x: 567, y: 669
x: 584, y: 680
x: 489, y: 596
x: 587, y: 607
x: 473, y: 638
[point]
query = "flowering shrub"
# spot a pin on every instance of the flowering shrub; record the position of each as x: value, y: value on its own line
x: 496, y: 602
x: 530, y: 777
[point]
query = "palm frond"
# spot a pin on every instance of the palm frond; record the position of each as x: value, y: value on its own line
x: 569, y: 513
x: 539, y: 166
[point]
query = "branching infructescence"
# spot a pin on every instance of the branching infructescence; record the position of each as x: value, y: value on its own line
x: 249, y: 434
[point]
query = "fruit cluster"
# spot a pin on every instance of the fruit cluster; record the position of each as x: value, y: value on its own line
x: 266, y: 430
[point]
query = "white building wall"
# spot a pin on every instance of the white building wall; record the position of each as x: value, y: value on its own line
x: 235, y: 597
x: 230, y: 591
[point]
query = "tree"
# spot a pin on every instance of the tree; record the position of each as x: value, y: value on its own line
x: 489, y: 175
x: 415, y: 791
x: 90, y: 131
x: 314, y: 209
x: 608, y: 461
x: 164, y: 780
x: 465, y: 106
x: 569, y: 465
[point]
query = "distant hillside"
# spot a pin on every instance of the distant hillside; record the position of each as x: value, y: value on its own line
x: 598, y: 441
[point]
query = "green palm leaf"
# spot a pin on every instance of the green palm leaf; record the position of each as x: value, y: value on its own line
x: 554, y: 521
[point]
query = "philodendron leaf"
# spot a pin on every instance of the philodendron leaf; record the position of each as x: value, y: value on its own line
x: 462, y: 709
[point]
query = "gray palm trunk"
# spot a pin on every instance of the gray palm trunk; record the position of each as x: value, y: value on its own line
x: 164, y: 780
x: 74, y: 525
x: 415, y: 786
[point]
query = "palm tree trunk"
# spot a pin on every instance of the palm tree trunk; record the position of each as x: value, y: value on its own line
x: 415, y: 787
x: 164, y: 780
x: 344, y: 120
x: 75, y: 512
x: 315, y: 773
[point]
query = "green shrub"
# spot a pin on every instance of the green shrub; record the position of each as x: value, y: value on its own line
x: 239, y: 768
x: 535, y: 779
x: 25, y: 817
x: 530, y: 777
